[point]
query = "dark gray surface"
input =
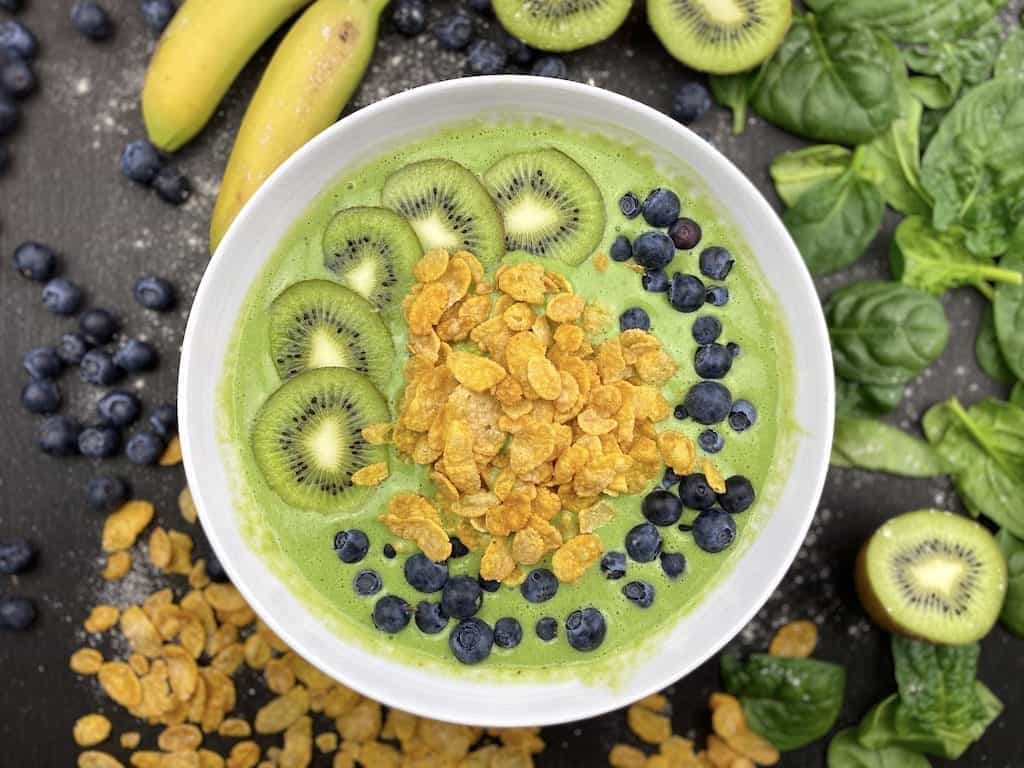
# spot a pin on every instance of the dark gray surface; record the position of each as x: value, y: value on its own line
x: 64, y: 189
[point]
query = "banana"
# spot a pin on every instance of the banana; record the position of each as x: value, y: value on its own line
x: 199, y: 55
x: 313, y: 73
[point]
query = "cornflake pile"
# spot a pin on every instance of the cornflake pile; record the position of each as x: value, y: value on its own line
x: 527, y: 425
x: 178, y: 673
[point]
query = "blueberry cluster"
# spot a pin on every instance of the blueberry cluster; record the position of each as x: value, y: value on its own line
x: 16, y: 557
x: 18, y: 49
x: 143, y: 164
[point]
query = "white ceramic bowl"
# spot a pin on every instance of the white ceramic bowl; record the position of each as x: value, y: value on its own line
x: 253, y: 236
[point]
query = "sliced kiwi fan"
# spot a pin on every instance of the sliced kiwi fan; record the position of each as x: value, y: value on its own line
x: 550, y: 205
x: 561, y: 25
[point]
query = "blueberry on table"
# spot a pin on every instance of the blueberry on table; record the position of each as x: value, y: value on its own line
x: 136, y: 356
x: 154, y: 292
x: 519, y: 53
x: 661, y: 507
x: 99, y: 442
x: 643, y: 542
x: 706, y: 329
x: 16, y: 75
x: 716, y: 262
x: 654, y: 280
x: 696, y: 493
x: 461, y: 597
x: 634, y: 317
x: 458, y: 548
x: 42, y: 363
x: 215, y: 569
x: 141, y: 162
x: 17, y: 38
x: 738, y: 496
x: 98, y: 326
x: 479, y: 6
x: 391, y: 614
x: 105, y: 493
x: 61, y: 296
x: 717, y: 296
x: 144, y: 448
x: 16, y: 555
x: 630, y: 205
x: 539, y: 586
x: 508, y: 632
x: 157, y: 14
x: 454, y: 31
x: 409, y: 17
x: 41, y: 396
x: 430, y: 618
x: 708, y: 402
x: 351, y: 546
x: 488, y: 585
x: 390, y: 552
x: 485, y: 57
x: 673, y: 564
x: 585, y: 629
x: 172, y: 186
x: 549, y: 66
x: 91, y: 20
x: 424, y: 575
x: 546, y: 629
x: 72, y: 348
x: 712, y: 361
x: 639, y: 593
x: 685, y: 233
x: 9, y: 115
x: 661, y: 207
x: 670, y: 478
x: 16, y: 613
x: 714, y: 530
x: 622, y: 249
x: 471, y: 641
x: 11, y: 5
x: 690, y: 102
x: 164, y: 419
x: 710, y: 441
x: 686, y: 293
x: 734, y: 348
x: 653, y: 250
x: 98, y: 368
x: 742, y: 416
x: 613, y: 565
x: 58, y: 436
x: 367, y: 582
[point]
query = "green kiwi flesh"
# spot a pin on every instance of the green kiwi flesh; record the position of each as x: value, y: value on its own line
x: 720, y: 36
x: 320, y: 324
x: 372, y: 251
x: 932, y: 575
x: 307, y: 438
x: 561, y: 25
x: 447, y: 207
x: 550, y: 205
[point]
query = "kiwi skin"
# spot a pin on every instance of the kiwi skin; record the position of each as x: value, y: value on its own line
x: 872, y: 605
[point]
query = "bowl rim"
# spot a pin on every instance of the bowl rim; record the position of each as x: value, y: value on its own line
x: 587, y: 706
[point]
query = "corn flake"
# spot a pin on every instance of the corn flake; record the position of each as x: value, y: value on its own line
x: 371, y: 474
x: 124, y: 525
x: 795, y: 640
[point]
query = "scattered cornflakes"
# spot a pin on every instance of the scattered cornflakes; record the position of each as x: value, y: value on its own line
x: 172, y: 453
x: 125, y: 524
x: 91, y: 730
x: 101, y: 618
x: 118, y: 565
x: 797, y: 639
x: 371, y: 474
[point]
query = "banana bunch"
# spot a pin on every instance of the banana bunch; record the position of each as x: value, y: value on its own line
x: 310, y: 78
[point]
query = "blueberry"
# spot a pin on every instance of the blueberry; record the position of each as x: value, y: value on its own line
x: 673, y: 564
x: 458, y: 548
x: 164, y: 419
x: 41, y: 396
x: 391, y: 614
x: 454, y: 31
x: 424, y: 575
x: 680, y: 413
x: 11, y: 5
x: 695, y: 493
x: 42, y: 363
x: 172, y: 186
x: 734, y: 348
x: 654, y: 280
x: 488, y: 585
x: 17, y: 38
x: 91, y: 20
x: 661, y: 207
x: 690, y: 102
x: 653, y: 250
x: 16, y: 75
x: 546, y: 629
x: 135, y: 356
x: 409, y: 17
x: 471, y: 641
x: 643, y: 542
x: 710, y: 441
x: 518, y: 53
x: 622, y: 249
x: 715, y: 262
x: 670, y: 478
x: 461, y: 597
x: 712, y: 361
x: 61, y: 296
x: 508, y: 632
x: 717, y: 296
x: 738, y: 496
x: 630, y: 205
x: 16, y: 555
x: 16, y: 613
x: 685, y: 233
x: 58, y: 436
x: 9, y: 115
x: 613, y: 565
x: 367, y: 582
x: 72, y: 348
x: 708, y: 402
x: 144, y: 448
x: 140, y: 162
x: 99, y: 442
x: 639, y: 592
x: 479, y: 6
x: 157, y: 14
x: 98, y: 368
x: 35, y: 261
x: 706, y: 329
x: 389, y: 551
x: 119, y: 408
x: 98, y: 326
x: 540, y: 585
x: 634, y: 317
x: 585, y: 629
x: 215, y: 569
x: 742, y: 416
x: 485, y: 57
x: 105, y: 493
x: 714, y: 530
x: 686, y: 292
x: 351, y: 546
x: 154, y: 292
x: 430, y: 617
x: 661, y: 507
x: 549, y: 66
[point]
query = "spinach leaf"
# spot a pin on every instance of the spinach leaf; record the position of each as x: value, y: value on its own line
x: 1017, y: 394
x: 845, y: 751
x: 930, y: 122
x: 872, y: 445
x: 1013, y: 609
x: 858, y: 400
x: 796, y: 172
x: 986, y: 349
x: 972, y: 170
x: 1008, y: 306
x: 895, y: 156
x: 836, y: 84
x: 734, y: 92
x: 931, y: 92
x: 910, y: 21
x: 1010, y: 62
x: 884, y: 332
x: 958, y: 61
x: 790, y: 702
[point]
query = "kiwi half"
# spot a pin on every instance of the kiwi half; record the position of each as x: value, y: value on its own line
x: 320, y: 324
x: 307, y: 438
x: 561, y: 25
x: 720, y: 36
x: 932, y: 575
x: 448, y: 208
x: 372, y: 250
x: 550, y: 205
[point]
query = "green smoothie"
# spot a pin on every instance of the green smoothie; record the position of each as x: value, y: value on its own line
x: 297, y: 544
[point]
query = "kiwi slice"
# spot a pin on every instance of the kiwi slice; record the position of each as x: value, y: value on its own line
x: 448, y: 207
x: 372, y: 250
x: 720, y: 36
x: 320, y: 324
x: 551, y: 206
x: 561, y: 25
x: 307, y: 438
x: 933, y: 575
